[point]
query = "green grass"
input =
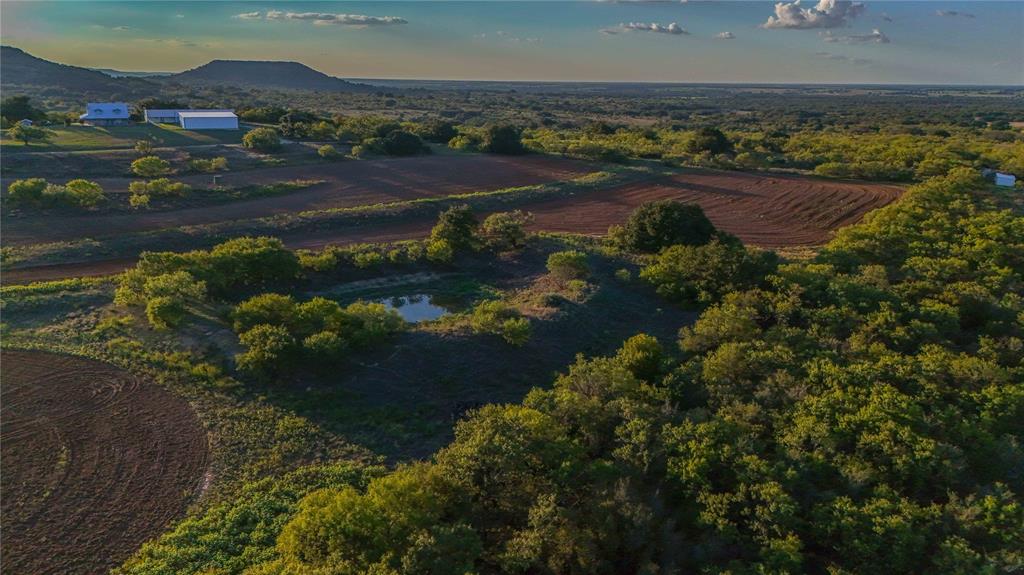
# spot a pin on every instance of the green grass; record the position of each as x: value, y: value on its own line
x: 84, y: 138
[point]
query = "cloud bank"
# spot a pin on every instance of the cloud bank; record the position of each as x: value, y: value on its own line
x: 953, y: 14
x: 875, y: 37
x: 673, y: 29
x: 826, y: 14
x: 326, y: 18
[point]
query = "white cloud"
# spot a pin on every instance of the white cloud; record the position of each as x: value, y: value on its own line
x: 876, y: 37
x: 826, y: 14
x: 672, y: 29
x: 843, y: 58
x: 324, y: 18
x: 249, y: 15
x: 725, y: 36
x: 121, y: 28
x: 179, y: 15
x: 953, y: 14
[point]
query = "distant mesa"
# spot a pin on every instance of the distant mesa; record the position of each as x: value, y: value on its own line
x: 288, y: 75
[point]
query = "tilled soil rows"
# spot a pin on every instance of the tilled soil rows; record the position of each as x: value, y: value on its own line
x: 95, y: 462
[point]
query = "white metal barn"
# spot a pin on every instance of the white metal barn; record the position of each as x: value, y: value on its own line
x: 208, y: 120
x: 170, y: 116
x: 1007, y: 180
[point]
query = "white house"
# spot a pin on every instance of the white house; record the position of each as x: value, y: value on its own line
x: 1006, y: 180
x: 208, y: 120
x: 105, y: 114
x: 197, y: 119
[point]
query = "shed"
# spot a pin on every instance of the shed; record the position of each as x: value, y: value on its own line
x: 26, y: 122
x: 208, y: 120
x: 105, y: 114
x: 1006, y: 180
x: 170, y: 116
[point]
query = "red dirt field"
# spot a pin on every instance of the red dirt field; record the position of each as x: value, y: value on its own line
x: 96, y: 461
x: 345, y: 184
x: 771, y: 211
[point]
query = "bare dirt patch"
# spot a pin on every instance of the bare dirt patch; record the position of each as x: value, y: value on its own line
x: 96, y: 461
x: 344, y: 184
x: 763, y: 210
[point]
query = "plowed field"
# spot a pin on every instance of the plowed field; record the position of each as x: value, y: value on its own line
x: 95, y: 462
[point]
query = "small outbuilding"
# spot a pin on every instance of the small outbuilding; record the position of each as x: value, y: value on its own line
x: 105, y: 114
x: 1005, y: 180
x: 208, y: 120
x: 25, y: 123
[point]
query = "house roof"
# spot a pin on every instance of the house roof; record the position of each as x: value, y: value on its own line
x: 207, y: 114
x: 105, y: 111
x: 164, y: 113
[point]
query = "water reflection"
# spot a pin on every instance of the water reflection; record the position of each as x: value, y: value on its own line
x: 422, y: 307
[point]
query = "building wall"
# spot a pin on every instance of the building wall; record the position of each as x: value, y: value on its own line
x: 209, y: 123
x: 106, y: 122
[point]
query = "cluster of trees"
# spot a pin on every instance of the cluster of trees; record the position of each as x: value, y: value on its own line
x: 208, y: 165
x: 858, y: 412
x: 837, y: 153
x: 38, y: 193
x: 280, y: 334
x: 502, y: 319
x: 236, y: 266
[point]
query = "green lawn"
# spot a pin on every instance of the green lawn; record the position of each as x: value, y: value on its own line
x: 74, y: 138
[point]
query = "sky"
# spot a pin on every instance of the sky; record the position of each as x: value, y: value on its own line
x: 806, y: 41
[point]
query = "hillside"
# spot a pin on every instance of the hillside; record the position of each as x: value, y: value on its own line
x: 287, y: 75
x: 23, y: 71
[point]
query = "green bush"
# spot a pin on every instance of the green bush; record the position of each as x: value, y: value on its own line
x: 643, y: 356
x: 262, y: 140
x: 328, y: 152
x: 37, y: 193
x: 150, y: 167
x: 567, y: 265
x: 656, y: 225
x: 438, y: 131
x: 402, y: 143
x: 26, y: 192
x: 208, y: 166
x: 498, y: 318
x: 503, y: 139
x: 710, y: 140
x: 270, y: 350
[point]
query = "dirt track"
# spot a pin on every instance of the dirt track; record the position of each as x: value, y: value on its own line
x: 96, y: 461
x: 345, y: 184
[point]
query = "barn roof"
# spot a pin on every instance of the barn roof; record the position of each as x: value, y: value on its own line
x: 105, y: 111
x: 207, y: 114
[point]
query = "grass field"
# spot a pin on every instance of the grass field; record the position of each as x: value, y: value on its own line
x: 83, y: 138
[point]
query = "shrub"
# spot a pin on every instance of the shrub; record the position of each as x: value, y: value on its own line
x: 208, y: 166
x: 267, y: 308
x: 368, y: 259
x: 506, y: 229
x: 571, y: 264
x: 326, y: 347
x: 84, y: 193
x: 28, y: 133
x: 655, y: 225
x: 150, y: 167
x: 26, y: 192
x: 402, y: 143
x: 269, y: 350
x: 144, y: 147
x: 643, y: 356
x: 158, y: 188
x: 498, y: 318
x: 328, y: 152
x: 164, y: 312
x: 623, y: 275
x: 138, y: 200
x: 466, y: 143
x: 457, y: 226
x: 262, y: 140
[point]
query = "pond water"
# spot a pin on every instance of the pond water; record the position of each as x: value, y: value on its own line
x: 422, y: 307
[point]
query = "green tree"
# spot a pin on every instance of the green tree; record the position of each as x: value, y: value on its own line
x: 270, y: 350
x: 505, y: 230
x: 262, y: 140
x: 503, y: 139
x: 709, y: 140
x: 16, y: 108
x: 84, y: 193
x: 328, y: 152
x: 656, y: 225
x: 457, y: 226
x: 703, y: 274
x: 402, y: 143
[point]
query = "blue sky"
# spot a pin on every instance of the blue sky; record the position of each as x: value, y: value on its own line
x: 834, y: 41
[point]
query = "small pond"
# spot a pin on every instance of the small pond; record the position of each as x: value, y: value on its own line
x: 423, y: 307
